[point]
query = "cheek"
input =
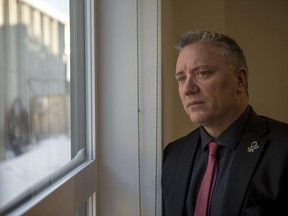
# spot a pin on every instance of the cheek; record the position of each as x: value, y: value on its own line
x: 229, y: 88
x: 224, y: 87
x: 217, y: 94
x: 181, y: 93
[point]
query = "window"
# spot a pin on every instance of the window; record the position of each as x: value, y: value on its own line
x: 46, y: 106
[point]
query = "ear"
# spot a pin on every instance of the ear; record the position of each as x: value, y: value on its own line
x: 242, y: 77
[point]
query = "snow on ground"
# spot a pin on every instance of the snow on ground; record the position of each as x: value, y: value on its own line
x: 42, y: 159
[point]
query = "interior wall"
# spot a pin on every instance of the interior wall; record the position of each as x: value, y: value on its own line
x: 261, y: 29
x: 258, y: 27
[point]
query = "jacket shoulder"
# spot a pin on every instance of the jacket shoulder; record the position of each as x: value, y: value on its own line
x: 178, y: 144
x: 276, y: 127
x: 274, y: 121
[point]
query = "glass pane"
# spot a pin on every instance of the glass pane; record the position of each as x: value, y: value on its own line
x: 35, y: 124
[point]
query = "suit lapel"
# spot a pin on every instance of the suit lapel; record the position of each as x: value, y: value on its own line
x: 184, y: 168
x: 246, y: 159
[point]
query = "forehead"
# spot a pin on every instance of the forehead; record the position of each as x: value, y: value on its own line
x: 201, y: 53
x: 204, y: 47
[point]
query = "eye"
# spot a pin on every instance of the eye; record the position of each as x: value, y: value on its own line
x: 203, y: 74
x: 181, y: 79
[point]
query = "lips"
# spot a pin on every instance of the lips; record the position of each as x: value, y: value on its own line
x: 194, y: 103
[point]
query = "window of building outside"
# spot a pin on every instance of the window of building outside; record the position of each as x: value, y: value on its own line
x: 44, y: 99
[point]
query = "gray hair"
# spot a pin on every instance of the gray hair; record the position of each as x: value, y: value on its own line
x: 231, y: 49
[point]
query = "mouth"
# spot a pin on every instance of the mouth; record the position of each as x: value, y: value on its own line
x: 194, y: 103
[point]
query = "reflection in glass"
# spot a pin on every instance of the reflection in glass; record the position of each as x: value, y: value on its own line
x: 34, y: 94
x: 17, y: 124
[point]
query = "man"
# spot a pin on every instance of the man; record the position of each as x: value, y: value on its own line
x: 18, y: 127
x: 248, y: 173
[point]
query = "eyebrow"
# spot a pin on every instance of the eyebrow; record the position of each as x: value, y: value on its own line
x: 181, y: 72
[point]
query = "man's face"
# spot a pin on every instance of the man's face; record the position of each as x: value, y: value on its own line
x: 208, y: 88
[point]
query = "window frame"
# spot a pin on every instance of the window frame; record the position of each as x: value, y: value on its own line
x: 69, y: 193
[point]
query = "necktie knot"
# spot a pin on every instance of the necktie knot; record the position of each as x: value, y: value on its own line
x: 213, y: 147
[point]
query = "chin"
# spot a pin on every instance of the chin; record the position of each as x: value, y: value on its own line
x: 197, y: 120
x: 198, y: 117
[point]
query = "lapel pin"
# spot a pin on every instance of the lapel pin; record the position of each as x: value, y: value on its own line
x: 253, y: 146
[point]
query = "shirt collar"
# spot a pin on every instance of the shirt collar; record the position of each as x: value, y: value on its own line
x: 231, y: 136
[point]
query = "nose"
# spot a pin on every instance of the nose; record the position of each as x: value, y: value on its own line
x: 190, y: 87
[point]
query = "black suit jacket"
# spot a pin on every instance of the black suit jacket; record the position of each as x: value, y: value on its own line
x: 258, y: 180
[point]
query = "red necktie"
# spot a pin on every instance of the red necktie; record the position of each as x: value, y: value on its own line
x: 206, y: 189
